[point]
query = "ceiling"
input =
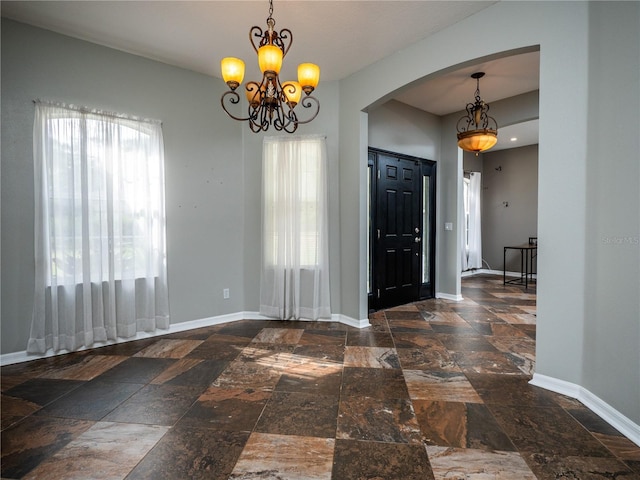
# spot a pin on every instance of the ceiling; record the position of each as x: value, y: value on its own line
x: 341, y: 36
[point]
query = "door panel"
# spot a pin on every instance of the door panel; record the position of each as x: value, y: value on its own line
x: 398, y: 255
x: 402, y: 206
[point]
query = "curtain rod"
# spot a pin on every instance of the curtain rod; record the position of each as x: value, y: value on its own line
x: 97, y: 111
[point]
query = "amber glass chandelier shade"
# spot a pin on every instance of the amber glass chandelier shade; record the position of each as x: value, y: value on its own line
x: 232, y: 71
x: 293, y: 91
x: 253, y: 96
x: 477, y: 140
x: 308, y: 76
x: 270, y: 59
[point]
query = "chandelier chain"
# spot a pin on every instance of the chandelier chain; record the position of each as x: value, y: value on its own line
x: 270, y: 21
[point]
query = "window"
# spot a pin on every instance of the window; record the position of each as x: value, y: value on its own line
x: 295, y: 269
x: 100, y: 227
x: 466, y: 184
x: 293, y: 191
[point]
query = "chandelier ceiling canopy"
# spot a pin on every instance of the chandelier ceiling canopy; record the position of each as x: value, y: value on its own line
x: 271, y: 101
x: 477, y: 131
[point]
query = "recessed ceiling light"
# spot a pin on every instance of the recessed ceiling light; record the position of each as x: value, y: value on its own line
x: 513, y: 139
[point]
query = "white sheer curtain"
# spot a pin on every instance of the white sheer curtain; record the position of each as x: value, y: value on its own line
x: 294, y: 281
x: 100, y: 248
x: 475, y: 231
x: 464, y: 225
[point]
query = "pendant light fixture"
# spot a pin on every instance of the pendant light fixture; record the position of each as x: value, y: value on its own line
x: 477, y: 131
x: 271, y: 101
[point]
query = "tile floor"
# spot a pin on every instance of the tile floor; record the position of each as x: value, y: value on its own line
x: 432, y: 390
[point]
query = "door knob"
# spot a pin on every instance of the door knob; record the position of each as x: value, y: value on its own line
x: 417, y: 239
x: 417, y: 230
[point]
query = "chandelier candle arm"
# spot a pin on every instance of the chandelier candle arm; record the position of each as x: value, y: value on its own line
x: 269, y: 102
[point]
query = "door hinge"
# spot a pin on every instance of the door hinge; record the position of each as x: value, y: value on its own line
x: 378, y: 233
x: 378, y: 293
x: 378, y: 174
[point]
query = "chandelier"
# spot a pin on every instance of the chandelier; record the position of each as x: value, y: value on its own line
x: 477, y: 131
x: 270, y: 101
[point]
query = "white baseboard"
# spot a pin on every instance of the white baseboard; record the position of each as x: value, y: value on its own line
x: 598, y: 406
x: 478, y: 271
x: 23, y: 356
x: 448, y: 296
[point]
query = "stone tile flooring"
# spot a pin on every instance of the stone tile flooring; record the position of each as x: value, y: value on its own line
x: 432, y: 390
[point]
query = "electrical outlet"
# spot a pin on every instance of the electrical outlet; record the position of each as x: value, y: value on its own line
x: 225, y: 293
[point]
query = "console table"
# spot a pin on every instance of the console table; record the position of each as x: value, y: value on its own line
x: 528, y: 252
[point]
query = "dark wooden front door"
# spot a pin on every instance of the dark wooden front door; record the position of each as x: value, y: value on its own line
x: 399, y: 217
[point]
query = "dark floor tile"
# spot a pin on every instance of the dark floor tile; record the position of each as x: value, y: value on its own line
x: 369, y: 339
x: 461, y: 425
x: 374, y: 382
x: 246, y: 374
x: 91, y: 401
x: 21, y: 372
x: 547, y: 430
x: 621, y: 447
x: 323, y: 337
x: 378, y: 322
x: 478, y: 314
x: 510, y: 390
x: 136, y: 370
x: 243, y: 328
x: 435, y: 358
x: 26, y: 444
x: 156, y: 405
x: 217, y: 350
x: 14, y: 410
x: 235, y: 409
x: 311, y: 378
x: 378, y: 420
x: 192, y: 453
x: 357, y: 460
x: 453, y: 329
x: 634, y: 465
x: 528, y: 329
x: 325, y: 353
x: 551, y: 467
x: 126, y: 349
x: 268, y: 456
x: 592, y: 421
x: 473, y: 464
x: 42, y: 391
x: 487, y: 362
x: 424, y: 341
x: 409, y: 325
x: 300, y: 414
x: 470, y: 343
x: 199, y: 373
x: 393, y: 314
x: 267, y: 353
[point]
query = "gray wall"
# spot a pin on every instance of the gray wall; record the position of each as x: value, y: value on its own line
x: 612, y: 256
x: 516, y: 182
x: 573, y: 41
x: 213, y: 171
x: 397, y: 127
x: 205, y: 198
